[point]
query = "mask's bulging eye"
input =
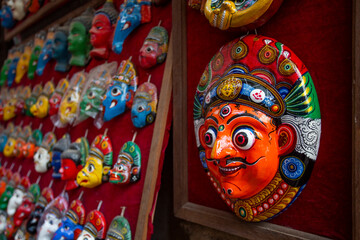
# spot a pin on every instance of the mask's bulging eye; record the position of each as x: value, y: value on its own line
x: 225, y: 111
x: 210, y: 137
x: 244, y: 138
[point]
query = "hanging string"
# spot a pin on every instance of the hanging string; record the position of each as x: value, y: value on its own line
x: 86, y: 133
x: 19, y: 169
x: 81, y: 194
x: 38, y: 179
x: 122, y: 211
x: 159, y: 23
x: 99, y: 205
x: 51, y: 183
x: 149, y: 78
x: 133, y: 139
x: 28, y: 174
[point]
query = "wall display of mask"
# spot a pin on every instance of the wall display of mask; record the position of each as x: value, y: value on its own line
x: 6, y: 17
x: 21, y: 141
x: 52, y: 216
x: 13, y: 65
x: 45, y: 198
x: 60, y: 49
x: 120, y: 94
x: 119, y: 228
x: 41, y: 107
x: 34, y: 57
x: 6, y: 65
x: 30, y: 101
x: 102, y: 31
x: 70, y: 101
x: 23, y: 64
x: 79, y: 39
x: 18, y: 8
x: 95, y: 226
x: 244, y: 15
x: 128, y: 165
x: 132, y: 14
x: 154, y: 48
x: 58, y: 148
x: 11, y: 142
x: 73, y: 222
x: 55, y: 99
x: 98, y: 163
x: 46, y: 53
x: 253, y: 104
x: 33, y: 143
x: 42, y: 156
x: 98, y: 80
x: 72, y: 161
x: 143, y: 109
x: 5, y: 135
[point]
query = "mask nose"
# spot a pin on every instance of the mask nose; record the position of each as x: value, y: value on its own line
x: 223, y: 148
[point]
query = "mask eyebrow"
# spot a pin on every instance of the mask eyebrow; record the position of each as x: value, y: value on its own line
x: 245, y: 115
x: 214, y: 119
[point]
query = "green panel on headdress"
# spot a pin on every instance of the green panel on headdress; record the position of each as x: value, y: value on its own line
x: 35, y: 192
x: 133, y: 150
x: 302, y: 100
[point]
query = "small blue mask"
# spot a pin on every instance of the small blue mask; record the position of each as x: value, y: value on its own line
x: 7, y: 20
x: 45, y: 56
x: 12, y: 71
x: 139, y: 112
x: 3, y: 141
x: 66, y: 230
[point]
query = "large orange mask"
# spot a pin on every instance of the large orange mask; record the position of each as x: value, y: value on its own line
x: 257, y: 125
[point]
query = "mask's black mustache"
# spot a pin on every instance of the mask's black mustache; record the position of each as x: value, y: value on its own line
x: 237, y: 159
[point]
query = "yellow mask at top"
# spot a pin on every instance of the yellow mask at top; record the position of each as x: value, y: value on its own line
x: 41, y: 108
x: 225, y: 14
x: 23, y: 63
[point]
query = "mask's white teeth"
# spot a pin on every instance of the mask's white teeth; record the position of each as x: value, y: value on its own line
x: 113, y: 103
x: 88, y: 107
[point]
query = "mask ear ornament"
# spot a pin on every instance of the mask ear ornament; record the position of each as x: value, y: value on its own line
x: 232, y: 103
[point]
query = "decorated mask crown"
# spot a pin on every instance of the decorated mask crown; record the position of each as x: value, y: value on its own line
x: 48, y: 141
x: 37, y: 90
x: 62, y: 86
x: 76, y: 212
x: 40, y: 38
x: 48, y: 88
x: 24, y: 183
x: 26, y: 92
x: 85, y: 18
x: 110, y: 11
x: 95, y: 224
x: 34, y: 192
x: 101, y: 148
x: 64, y: 29
x: 158, y: 34
x: 126, y: 72
x: 47, y: 195
x: 62, y: 144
